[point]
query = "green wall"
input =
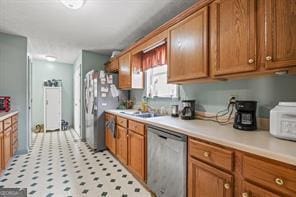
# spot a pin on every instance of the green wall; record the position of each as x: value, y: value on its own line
x: 43, y: 70
x: 13, y: 81
x: 212, y: 97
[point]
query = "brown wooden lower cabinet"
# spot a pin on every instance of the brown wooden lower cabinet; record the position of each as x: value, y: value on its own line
x: 110, y: 140
x: 121, y: 144
x: 204, y: 180
x: 136, y: 152
x: 8, y: 140
x: 250, y: 190
x: 7, y: 146
x: 251, y: 176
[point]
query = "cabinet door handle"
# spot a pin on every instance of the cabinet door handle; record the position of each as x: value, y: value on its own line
x: 245, y: 194
x: 206, y: 154
x: 227, y: 186
x: 268, y: 58
x: 279, y: 181
x: 251, y: 61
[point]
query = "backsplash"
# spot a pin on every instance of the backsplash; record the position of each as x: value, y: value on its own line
x: 213, y: 97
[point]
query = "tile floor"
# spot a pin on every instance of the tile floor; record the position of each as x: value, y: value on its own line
x: 59, y: 164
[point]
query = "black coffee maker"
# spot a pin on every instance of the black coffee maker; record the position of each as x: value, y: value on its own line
x: 188, y: 109
x: 245, y: 117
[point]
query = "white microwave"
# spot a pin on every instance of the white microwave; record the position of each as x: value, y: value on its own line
x: 283, y: 121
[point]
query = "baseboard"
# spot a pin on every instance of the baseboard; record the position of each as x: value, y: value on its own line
x: 22, y: 151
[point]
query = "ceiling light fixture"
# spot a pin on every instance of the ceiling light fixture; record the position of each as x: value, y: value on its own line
x: 50, y: 58
x: 73, y: 4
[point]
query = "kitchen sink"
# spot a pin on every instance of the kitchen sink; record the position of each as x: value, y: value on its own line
x: 142, y: 115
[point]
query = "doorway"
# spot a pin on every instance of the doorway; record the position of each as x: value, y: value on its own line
x: 77, y: 100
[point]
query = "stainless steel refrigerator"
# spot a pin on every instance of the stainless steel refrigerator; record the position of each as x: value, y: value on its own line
x: 98, y: 98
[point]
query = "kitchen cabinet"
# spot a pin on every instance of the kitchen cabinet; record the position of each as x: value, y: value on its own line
x: 7, y: 146
x: 250, y: 190
x: 112, y: 66
x: 136, y: 152
x: 204, y: 180
x: 188, y: 48
x: 280, y: 33
x: 121, y: 144
x: 125, y: 71
x: 8, y: 139
x: 130, y: 71
x: 109, y: 139
x: 279, y: 178
x: 232, y: 37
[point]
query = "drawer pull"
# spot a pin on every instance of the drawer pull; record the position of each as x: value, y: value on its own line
x: 268, y: 58
x: 251, y: 61
x: 227, y: 186
x: 245, y: 194
x: 206, y: 154
x: 279, y: 181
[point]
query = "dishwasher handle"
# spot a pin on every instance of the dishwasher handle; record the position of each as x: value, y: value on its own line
x: 163, y: 137
x: 165, y: 134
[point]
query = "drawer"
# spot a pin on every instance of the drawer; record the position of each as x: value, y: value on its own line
x: 136, y: 127
x: 121, y: 121
x: 1, y: 126
x: 211, y: 154
x: 109, y: 116
x: 7, y: 123
x: 275, y: 176
x: 14, y: 127
x: 250, y: 190
x: 14, y: 119
x: 8, y: 131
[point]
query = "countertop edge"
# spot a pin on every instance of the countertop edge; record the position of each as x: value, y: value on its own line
x: 5, y: 115
x: 224, y: 142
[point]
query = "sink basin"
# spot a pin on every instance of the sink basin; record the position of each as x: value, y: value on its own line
x: 142, y: 115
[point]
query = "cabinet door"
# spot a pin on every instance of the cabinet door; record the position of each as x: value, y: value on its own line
x: 232, y: 36
x: 280, y: 33
x: 110, y: 140
x: 6, y: 146
x: 136, y: 152
x: 121, y: 144
x: 204, y: 180
x: 188, y: 48
x: 125, y: 71
x: 250, y: 190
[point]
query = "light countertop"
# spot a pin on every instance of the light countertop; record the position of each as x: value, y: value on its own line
x: 256, y: 142
x: 5, y: 115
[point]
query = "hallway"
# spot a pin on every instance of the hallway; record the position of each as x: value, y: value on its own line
x: 59, y: 164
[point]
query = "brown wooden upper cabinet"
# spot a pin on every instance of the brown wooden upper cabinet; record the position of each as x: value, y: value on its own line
x: 113, y: 65
x: 188, y: 48
x: 130, y: 72
x: 232, y: 36
x: 125, y: 71
x: 280, y: 40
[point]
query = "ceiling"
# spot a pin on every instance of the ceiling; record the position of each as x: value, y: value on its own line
x: 100, y: 26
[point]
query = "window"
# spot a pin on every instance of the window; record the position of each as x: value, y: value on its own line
x: 156, y: 83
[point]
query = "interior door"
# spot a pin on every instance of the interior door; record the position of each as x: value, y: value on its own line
x: 77, y: 101
x: 52, y: 108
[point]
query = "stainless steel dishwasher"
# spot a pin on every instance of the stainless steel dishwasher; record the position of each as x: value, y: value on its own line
x: 167, y: 166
